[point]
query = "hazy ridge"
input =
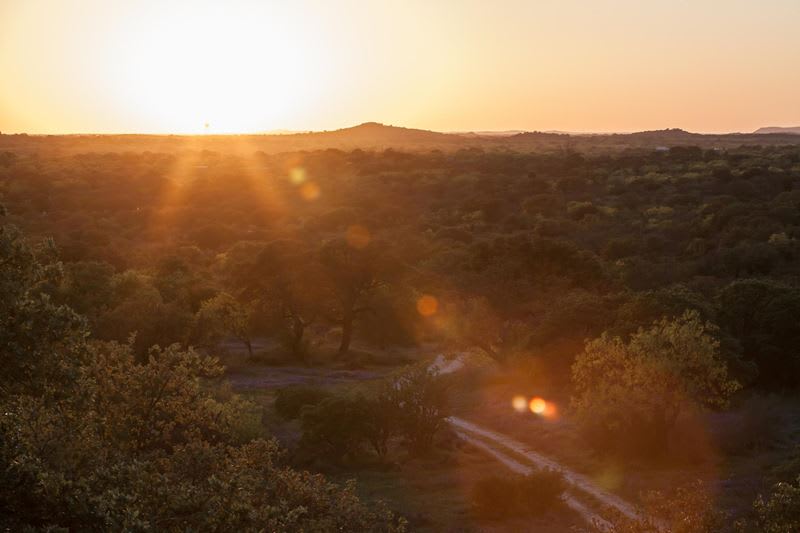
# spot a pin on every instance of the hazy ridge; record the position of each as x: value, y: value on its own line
x: 376, y: 136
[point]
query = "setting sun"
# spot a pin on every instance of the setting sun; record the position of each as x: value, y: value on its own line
x: 105, y: 66
x: 224, y: 66
x: 177, y: 67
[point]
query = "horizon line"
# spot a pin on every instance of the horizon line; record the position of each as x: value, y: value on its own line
x: 280, y: 132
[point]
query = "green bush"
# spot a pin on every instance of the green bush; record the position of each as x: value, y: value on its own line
x: 689, y: 508
x: 92, y: 440
x: 412, y: 405
x: 777, y: 513
x: 518, y: 495
x: 335, y: 426
x: 289, y: 402
x: 420, y: 396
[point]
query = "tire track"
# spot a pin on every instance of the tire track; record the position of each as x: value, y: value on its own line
x: 496, y: 445
x: 590, y: 516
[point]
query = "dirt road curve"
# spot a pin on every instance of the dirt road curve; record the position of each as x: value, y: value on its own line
x: 590, y: 516
x: 498, y: 445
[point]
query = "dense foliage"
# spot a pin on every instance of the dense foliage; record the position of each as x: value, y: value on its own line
x: 411, y: 406
x: 526, y: 253
x: 681, y: 264
x: 91, y: 439
x: 640, y: 387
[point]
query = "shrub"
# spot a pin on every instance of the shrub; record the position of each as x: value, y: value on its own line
x: 412, y: 405
x: 421, y: 399
x: 91, y: 440
x: 688, y: 509
x: 342, y: 424
x: 641, y: 387
x: 381, y: 411
x: 335, y: 426
x: 579, y: 210
x: 778, y: 513
x: 220, y: 317
x: 289, y: 401
x: 518, y: 495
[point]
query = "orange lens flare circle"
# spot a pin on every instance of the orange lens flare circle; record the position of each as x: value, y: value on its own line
x: 519, y: 403
x: 357, y: 237
x: 538, y: 406
x: 297, y: 175
x: 310, y: 191
x: 427, y: 305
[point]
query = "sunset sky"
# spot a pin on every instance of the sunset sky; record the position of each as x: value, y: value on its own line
x: 450, y: 65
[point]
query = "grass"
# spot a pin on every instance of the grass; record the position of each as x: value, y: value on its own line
x: 735, y: 451
x: 504, y: 495
x: 738, y: 452
x: 434, y: 493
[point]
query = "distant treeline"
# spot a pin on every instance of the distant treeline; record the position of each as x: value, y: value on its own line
x: 373, y: 136
x: 533, y: 251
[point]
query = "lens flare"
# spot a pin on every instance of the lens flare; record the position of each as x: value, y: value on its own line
x: 427, y: 305
x: 550, y: 411
x: 538, y: 406
x: 357, y: 237
x: 519, y: 403
x: 297, y: 175
x: 310, y: 191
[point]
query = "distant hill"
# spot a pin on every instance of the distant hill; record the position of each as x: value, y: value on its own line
x: 374, y: 134
x: 774, y: 129
x: 378, y: 137
x: 672, y: 133
x: 505, y: 133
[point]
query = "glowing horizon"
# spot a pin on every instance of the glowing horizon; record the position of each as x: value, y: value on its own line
x: 253, y: 67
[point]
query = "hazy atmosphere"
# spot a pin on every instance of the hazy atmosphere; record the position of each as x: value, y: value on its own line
x: 112, y: 66
x: 388, y: 267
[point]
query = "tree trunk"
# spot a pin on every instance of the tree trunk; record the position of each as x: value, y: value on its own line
x: 298, y: 329
x: 659, y: 431
x: 347, y: 334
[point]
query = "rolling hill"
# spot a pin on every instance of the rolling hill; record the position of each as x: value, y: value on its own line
x: 378, y: 137
x: 776, y: 129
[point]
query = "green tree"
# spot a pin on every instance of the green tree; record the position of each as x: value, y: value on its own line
x: 777, y: 513
x: 285, y: 282
x: 86, y: 288
x: 641, y: 386
x: 476, y: 324
x: 687, y: 509
x: 41, y: 344
x: 141, y: 310
x: 91, y: 439
x: 381, y: 415
x: 354, y: 274
x: 762, y: 315
x: 420, y: 397
x: 220, y: 317
x: 334, y: 426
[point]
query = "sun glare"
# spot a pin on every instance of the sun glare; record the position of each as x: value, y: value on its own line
x: 216, y: 69
x: 519, y: 403
x: 427, y: 305
x: 538, y: 406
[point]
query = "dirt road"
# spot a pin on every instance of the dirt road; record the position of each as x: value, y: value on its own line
x: 518, y: 457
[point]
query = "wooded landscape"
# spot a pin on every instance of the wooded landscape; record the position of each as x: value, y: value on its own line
x: 627, y: 309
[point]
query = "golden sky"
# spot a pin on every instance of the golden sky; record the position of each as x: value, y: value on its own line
x: 106, y: 66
